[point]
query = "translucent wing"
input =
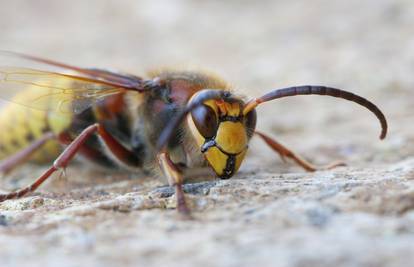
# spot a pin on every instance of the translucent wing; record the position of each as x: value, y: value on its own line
x: 73, y: 91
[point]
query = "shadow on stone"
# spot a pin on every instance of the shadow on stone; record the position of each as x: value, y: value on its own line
x: 202, y: 188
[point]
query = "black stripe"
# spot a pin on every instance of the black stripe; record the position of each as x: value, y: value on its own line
x: 230, y: 167
x: 231, y: 118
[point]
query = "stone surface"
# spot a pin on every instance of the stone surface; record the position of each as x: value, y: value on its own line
x: 271, y: 213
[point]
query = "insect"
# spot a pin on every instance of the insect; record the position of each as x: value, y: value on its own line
x: 173, y: 120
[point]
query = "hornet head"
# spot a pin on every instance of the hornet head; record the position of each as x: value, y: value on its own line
x: 223, y: 124
x: 222, y: 132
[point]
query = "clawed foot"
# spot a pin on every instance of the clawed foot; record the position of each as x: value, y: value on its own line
x: 182, y: 207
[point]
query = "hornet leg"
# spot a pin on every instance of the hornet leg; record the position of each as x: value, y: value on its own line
x: 285, y: 152
x: 175, y: 178
x: 23, y: 155
x: 69, y: 152
x: 60, y: 162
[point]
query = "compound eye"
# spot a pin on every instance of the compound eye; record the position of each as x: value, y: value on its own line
x: 205, y: 119
x: 250, y: 122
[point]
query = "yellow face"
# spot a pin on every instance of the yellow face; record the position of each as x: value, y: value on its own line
x: 222, y: 132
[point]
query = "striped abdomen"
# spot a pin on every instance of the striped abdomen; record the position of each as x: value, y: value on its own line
x: 20, y: 126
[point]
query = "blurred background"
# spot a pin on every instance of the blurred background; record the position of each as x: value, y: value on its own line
x: 366, y: 47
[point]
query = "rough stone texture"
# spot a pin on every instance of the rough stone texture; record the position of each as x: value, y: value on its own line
x: 271, y: 213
